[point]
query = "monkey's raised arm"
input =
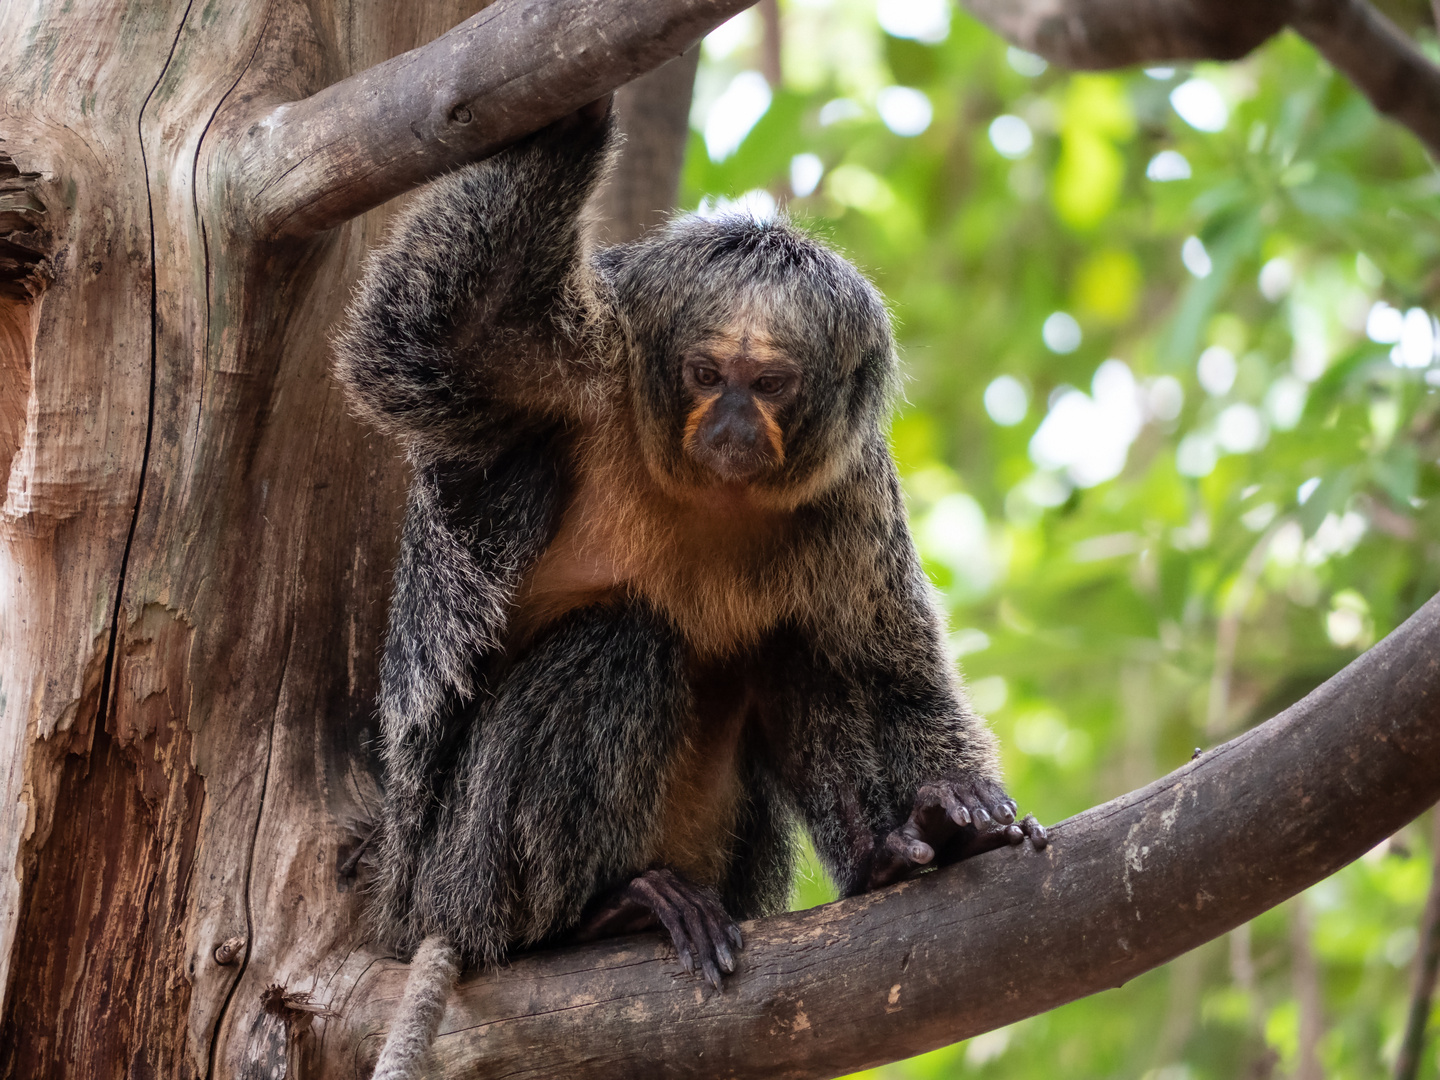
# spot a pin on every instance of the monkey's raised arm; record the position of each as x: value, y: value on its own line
x: 479, y: 309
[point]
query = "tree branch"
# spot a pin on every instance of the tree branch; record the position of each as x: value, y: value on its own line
x: 1100, y: 34
x: 308, y: 165
x: 1122, y: 888
x: 514, y: 67
x: 1379, y: 59
x: 1361, y: 42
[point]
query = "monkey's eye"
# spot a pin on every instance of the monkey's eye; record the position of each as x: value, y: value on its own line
x: 770, y: 384
x: 705, y: 376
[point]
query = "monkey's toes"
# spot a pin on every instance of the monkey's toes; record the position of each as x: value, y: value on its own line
x: 1039, y: 838
x: 699, y: 926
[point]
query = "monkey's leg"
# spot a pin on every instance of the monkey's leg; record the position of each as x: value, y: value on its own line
x: 699, y: 926
x: 561, y: 793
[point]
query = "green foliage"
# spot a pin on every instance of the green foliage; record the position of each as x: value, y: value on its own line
x: 1198, y: 534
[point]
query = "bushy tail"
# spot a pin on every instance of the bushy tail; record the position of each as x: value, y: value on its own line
x: 432, y: 975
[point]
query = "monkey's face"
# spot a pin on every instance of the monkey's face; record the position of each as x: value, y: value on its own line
x: 760, y: 361
x: 739, y: 390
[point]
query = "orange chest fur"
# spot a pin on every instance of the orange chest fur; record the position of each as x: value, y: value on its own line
x: 714, y: 569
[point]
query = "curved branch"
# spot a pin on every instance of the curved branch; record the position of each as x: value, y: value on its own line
x: 509, y: 70
x: 1099, y: 34
x: 308, y: 165
x: 1122, y: 888
x: 1361, y: 42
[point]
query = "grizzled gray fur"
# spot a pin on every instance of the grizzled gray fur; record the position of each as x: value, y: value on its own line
x: 606, y: 669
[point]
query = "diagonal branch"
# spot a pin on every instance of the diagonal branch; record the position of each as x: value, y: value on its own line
x: 1122, y: 888
x: 1358, y: 40
x: 514, y: 67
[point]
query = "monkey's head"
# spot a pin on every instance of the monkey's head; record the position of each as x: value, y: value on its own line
x: 759, y: 357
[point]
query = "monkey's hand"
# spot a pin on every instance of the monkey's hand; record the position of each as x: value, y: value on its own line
x: 699, y: 926
x: 958, y: 818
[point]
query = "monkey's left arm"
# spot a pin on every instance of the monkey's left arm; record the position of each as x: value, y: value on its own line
x: 891, y: 767
x: 938, y: 757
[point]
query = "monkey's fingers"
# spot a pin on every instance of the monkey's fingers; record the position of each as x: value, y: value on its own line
x: 909, y: 847
x: 707, y: 949
x: 900, y: 855
x: 989, y: 809
x: 1039, y: 838
x: 954, y: 809
x: 936, y: 815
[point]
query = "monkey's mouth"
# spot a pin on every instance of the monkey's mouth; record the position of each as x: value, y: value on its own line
x: 733, y: 464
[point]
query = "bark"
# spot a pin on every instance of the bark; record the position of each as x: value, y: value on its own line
x: 194, y: 553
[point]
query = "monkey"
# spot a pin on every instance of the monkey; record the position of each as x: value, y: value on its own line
x: 656, y: 603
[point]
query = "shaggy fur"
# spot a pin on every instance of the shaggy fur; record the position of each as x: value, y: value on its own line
x: 597, y: 665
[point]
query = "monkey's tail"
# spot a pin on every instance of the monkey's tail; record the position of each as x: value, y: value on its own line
x: 433, y: 970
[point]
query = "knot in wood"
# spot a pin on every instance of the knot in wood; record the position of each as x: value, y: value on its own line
x: 229, y: 950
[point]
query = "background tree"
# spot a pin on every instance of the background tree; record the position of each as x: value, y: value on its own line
x: 196, y: 536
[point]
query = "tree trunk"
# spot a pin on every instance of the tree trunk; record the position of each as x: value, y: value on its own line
x: 196, y: 538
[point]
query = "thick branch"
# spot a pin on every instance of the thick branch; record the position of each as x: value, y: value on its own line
x: 1122, y: 888
x: 509, y: 70
x: 1361, y: 42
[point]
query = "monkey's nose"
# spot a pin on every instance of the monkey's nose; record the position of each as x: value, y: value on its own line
x: 733, y: 433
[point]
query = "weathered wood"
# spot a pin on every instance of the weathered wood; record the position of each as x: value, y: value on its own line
x: 75, y: 359
x: 1122, y: 888
x: 186, y: 765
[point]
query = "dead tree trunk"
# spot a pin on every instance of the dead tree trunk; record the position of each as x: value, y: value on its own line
x: 195, y: 537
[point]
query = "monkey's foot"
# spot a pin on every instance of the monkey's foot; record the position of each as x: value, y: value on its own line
x: 699, y: 926
x: 958, y: 818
